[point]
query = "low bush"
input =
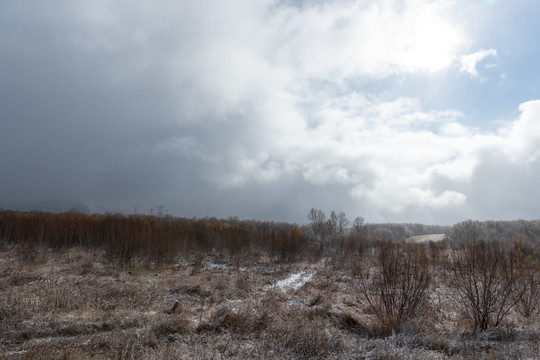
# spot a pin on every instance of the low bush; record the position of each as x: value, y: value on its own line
x: 397, y: 287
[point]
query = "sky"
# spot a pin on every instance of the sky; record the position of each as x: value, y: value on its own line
x: 422, y: 111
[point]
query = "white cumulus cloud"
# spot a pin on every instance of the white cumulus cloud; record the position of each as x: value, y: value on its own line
x: 469, y: 62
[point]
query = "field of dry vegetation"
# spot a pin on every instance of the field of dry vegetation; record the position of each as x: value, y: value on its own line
x: 76, y: 286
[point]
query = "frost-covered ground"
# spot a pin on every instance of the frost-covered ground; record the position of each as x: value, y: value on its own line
x: 73, y: 304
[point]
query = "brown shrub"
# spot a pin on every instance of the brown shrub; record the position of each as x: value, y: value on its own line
x: 172, y: 324
x: 27, y: 252
x: 226, y: 320
x: 485, y: 277
x: 396, y: 288
x: 528, y: 279
x: 303, y: 335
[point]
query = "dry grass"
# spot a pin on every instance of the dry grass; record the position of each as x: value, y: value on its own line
x: 78, y: 304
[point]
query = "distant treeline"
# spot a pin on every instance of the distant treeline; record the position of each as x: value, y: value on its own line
x: 404, y: 231
x: 499, y: 230
x: 131, y: 238
x: 160, y: 239
x: 337, y: 225
x: 485, y: 230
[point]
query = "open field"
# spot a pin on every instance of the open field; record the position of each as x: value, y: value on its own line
x: 74, y: 304
x: 76, y: 286
x: 426, y: 238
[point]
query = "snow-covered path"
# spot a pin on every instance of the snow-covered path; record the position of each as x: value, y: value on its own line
x: 293, y: 282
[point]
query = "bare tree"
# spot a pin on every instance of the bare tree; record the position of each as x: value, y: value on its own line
x: 528, y: 266
x: 396, y: 288
x: 531, y: 229
x: 355, y: 241
x: 468, y: 231
x: 317, y: 219
x: 332, y: 225
x: 484, y: 278
x: 342, y: 224
x: 359, y: 228
x: 336, y: 228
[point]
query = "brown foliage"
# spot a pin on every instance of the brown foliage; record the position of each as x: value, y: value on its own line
x: 145, y: 239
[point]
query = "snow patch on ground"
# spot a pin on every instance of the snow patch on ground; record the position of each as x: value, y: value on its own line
x: 218, y: 266
x: 295, y: 281
x: 426, y: 238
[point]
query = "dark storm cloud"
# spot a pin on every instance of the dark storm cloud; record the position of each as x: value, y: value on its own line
x: 502, y: 189
x: 73, y: 121
x: 237, y: 109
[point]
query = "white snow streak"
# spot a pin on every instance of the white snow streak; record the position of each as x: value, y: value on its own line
x: 295, y: 281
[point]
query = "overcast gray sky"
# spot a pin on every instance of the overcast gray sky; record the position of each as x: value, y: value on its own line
x: 398, y: 111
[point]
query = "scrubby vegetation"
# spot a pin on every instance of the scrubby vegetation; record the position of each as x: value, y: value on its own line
x: 77, y: 286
